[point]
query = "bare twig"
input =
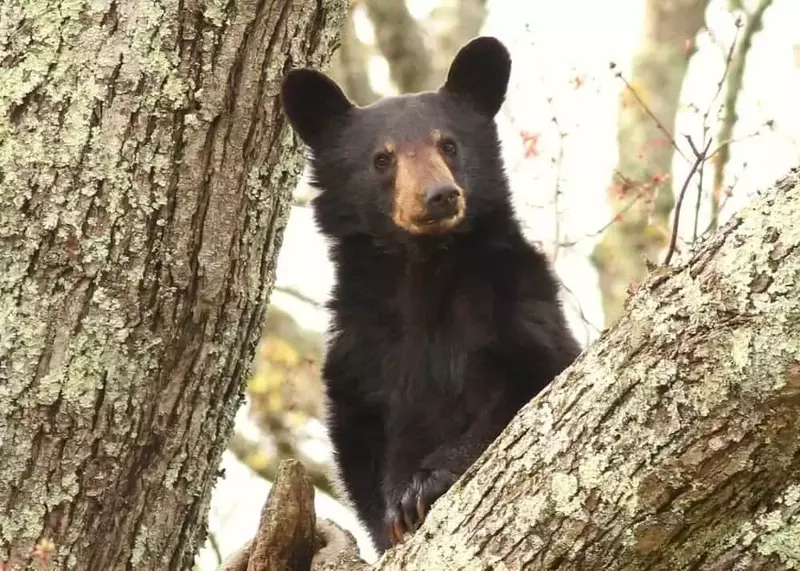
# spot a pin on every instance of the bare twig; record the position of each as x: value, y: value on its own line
x: 650, y: 113
x: 576, y: 304
x: 636, y: 198
x: 558, y: 160
x: 720, y: 83
x: 212, y: 541
x: 699, y: 159
x: 297, y: 294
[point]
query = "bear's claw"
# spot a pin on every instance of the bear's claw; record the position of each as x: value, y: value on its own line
x: 407, y: 509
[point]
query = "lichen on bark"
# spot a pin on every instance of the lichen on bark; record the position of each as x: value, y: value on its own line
x: 145, y: 172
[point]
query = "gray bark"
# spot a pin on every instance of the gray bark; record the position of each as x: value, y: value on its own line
x: 670, y: 444
x: 145, y: 172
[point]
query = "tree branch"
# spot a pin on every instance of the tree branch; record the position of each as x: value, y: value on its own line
x: 699, y: 159
x: 671, y: 443
x: 288, y: 533
x: 350, y: 64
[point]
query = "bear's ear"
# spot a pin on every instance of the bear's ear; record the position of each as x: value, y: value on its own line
x: 311, y: 100
x: 479, y: 74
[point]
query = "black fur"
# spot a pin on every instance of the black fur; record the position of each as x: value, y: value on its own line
x: 437, y: 341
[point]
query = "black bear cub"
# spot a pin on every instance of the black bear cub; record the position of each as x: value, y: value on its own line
x: 445, y: 321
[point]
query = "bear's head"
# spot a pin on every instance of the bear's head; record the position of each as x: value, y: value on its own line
x: 426, y: 164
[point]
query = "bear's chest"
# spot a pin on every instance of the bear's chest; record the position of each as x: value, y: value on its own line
x: 433, y: 352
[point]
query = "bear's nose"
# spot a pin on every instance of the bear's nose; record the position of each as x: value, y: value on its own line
x: 441, y: 201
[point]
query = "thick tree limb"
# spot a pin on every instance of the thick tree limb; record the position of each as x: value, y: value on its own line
x: 672, y: 442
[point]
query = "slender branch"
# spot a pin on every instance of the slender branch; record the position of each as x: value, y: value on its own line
x: 297, y: 294
x: 558, y: 160
x: 649, y: 112
x: 699, y: 158
x: 212, y: 541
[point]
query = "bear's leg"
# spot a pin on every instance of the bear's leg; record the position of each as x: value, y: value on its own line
x: 407, y: 490
x: 357, y: 434
x: 410, y: 496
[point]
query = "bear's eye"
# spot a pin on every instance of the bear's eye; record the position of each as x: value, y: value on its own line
x: 448, y: 147
x: 382, y: 161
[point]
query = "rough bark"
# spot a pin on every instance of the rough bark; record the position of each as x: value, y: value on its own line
x: 286, y: 538
x: 645, y: 140
x: 145, y: 172
x: 670, y: 444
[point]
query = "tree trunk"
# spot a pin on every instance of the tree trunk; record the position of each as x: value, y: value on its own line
x: 670, y: 444
x: 640, y: 194
x: 452, y: 24
x: 145, y: 172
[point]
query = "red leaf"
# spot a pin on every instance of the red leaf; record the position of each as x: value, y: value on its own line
x: 530, y: 142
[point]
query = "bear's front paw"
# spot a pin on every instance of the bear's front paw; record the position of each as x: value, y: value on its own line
x: 406, y: 507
